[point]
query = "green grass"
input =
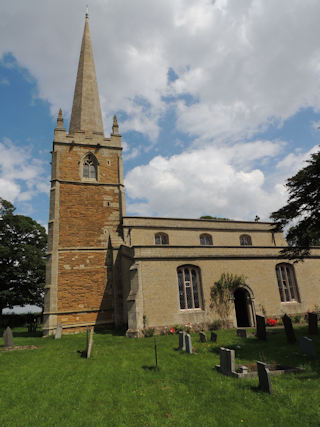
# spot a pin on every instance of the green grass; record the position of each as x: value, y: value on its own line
x: 54, y: 386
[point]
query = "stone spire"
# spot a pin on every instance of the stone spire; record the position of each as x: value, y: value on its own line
x: 86, y: 113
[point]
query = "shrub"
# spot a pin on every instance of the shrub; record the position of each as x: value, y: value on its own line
x: 148, y: 332
x: 215, y: 325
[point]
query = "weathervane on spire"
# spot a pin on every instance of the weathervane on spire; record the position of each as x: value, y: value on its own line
x: 87, y: 11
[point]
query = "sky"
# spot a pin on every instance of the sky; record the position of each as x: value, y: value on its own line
x: 218, y: 102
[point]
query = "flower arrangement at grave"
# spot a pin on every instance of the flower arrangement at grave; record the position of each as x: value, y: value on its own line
x: 172, y: 331
x: 271, y: 321
x: 188, y: 327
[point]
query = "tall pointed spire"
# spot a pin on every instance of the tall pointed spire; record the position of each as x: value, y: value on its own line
x: 86, y: 112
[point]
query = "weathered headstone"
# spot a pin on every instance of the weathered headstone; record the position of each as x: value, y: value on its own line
x: 227, y: 364
x: 313, y: 323
x: 188, y: 343
x: 264, y: 377
x: 288, y: 329
x: 213, y: 337
x: 203, y: 337
x: 58, y: 332
x: 182, y: 341
x: 90, y: 344
x: 242, y: 333
x: 8, y: 337
x: 261, y: 332
x: 307, y: 347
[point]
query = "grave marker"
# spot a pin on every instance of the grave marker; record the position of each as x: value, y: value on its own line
x: 8, y: 337
x: 264, y: 378
x: 289, y: 329
x: 261, y: 332
x: 307, y: 347
x: 313, y: 323
x: 242, y: 333
x: 188, y: 343
x: 203, y: 337
x: 227, y: 364
x: 213, y: 337
x: 58, y: 332
x: 182, y: 342
x: 89, y: 349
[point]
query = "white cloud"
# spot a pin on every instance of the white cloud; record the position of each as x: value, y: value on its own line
x: 21, y: 176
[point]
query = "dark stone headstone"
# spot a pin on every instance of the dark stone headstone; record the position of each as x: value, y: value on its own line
x: 264, y: 377
x: 289, y: 329
x: 313, y: 323
x: 203, y: 337
x: 58, y: 332
x: 188, y: 343
x: 182, y: 342
x: 8, y: 337
x: 307, y: 347
x: 213, y: 337
x: 261, y: 332
x: 227, y: 364
x: 242, y: 333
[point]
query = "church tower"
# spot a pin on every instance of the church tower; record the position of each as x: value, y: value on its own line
x: 86, y: 208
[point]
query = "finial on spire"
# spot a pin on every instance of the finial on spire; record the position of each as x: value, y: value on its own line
x: 60, y: 119
x: 87, y: 12
x: 115, y: 127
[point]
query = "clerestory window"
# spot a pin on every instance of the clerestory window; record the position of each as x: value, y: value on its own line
x: 206, y: 239
x: 90, y: 166
x: 189, y: 287
x: 245, y: 240
x: 161, y: 239
x: 287, y: 282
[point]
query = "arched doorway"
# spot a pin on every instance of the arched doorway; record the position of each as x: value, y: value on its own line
x: 244, y: 308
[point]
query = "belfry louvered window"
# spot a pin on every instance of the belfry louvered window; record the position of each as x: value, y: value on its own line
x: 189, y: 287
x: 245, y: 240
x: 287, y: 282
x: 206, y: 239
x: 161, y: 239
x: 90, y: 167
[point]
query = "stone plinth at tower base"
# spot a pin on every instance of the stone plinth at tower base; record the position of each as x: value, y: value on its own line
x: 134, y: 333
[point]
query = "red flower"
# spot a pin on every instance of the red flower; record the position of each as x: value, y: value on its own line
x: 172, y: 331
x: 271, y: 321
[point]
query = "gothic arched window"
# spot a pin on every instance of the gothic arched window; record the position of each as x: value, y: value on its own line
x: 206, y: 239
x: 161, y: 239
x: 189, y: 287
x: 90, y: 167
x: 287, y: 282
x: 245, y: 240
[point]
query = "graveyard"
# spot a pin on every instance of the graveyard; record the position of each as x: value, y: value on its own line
x: 47, y: 381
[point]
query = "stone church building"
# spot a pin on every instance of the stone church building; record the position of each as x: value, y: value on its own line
x: 105, y: 268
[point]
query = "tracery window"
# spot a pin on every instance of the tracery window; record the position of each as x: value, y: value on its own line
x: 161, y: 239
x: 90, y: 166
x: 287, y: 282
x: 206, y: 239
x: 245, y: 240
x: 189, y: 287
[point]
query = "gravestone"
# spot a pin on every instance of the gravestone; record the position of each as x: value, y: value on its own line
x: 188, y: 343
x: 8, y: 337
x: 242, y: 333
x: 182, y: 341
x: 261, y: 332
x: 213, y: 337
x: 89, y: 349
x: 313, y: 323
x: 227, y: 364
x: 289, y: 329
x: 264, y: 377
x: 58, y: 332
x: 203, y: 337
x: 307, y: 347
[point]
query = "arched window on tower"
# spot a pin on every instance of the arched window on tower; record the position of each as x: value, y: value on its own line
x: 287, y: 282
x: 90, y: 166
x: 189, y: 287
x: 245, y: 240
x: 161, y: 239
x: 206, y: 239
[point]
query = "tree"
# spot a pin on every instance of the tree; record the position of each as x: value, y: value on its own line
x: 221, y: 294
x: 302, y: 211
x: 23, y: 245
x: 214, y: 217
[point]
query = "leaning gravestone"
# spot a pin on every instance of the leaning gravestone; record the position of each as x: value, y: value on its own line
x: 213, y: 337
x: 242, y: 333
x: 289, y: 329
x: 264, y: 377
x: 188, y: 343
x: 182, y: 341
x: 313, y: 323
x: 58, y: 332
x: 203, y: 337
x: 307, y: 347
x: 8, y: 337
x: 261, y: 332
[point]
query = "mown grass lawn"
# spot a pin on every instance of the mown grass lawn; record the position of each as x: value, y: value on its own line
x: 54, y: 386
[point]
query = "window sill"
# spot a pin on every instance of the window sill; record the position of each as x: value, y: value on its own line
x: 291, y: 302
